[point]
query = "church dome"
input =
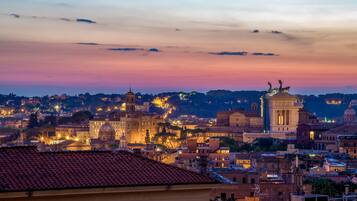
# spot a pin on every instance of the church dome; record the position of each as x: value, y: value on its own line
x: 106, y: 132
x: 350, y: 115
x: 350, y: 111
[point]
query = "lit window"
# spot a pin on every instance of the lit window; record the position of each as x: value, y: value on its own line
x: 312, y: 135
x: 280, y: 119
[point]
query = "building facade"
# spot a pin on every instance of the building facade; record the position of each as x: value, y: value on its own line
x: 134, y: 124
x: 280, y: 110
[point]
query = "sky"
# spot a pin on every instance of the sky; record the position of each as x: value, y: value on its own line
x: 107, y: 46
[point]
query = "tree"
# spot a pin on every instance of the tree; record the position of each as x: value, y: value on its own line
x: 324, y: 186
x: 33, y: 121
x: 81, y: 116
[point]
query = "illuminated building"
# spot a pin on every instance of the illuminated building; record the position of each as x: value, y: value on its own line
x: 72, y: 131
x: 280, y: 110
x: 333, y: 165
x: 6, y: 111
x: 135, y: 124
x: 333, y: 101
x: 329, y: 139
x: 349, y: 115
x: 202, y: 156
x: 240, y: 119
x: 348, y: 144
x: 106, y: 138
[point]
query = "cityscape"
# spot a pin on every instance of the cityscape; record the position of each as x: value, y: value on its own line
x: 164, y: 101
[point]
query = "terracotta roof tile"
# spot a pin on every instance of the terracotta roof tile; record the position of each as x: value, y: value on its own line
x: 24, y: 168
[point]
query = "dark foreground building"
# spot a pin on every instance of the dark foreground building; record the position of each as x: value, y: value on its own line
x: 26, y: 174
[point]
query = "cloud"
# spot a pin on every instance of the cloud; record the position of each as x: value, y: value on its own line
x: 63, y: 4
x: 276, y: 32
x: 83, y: 20
x: 230, y: 53
x: 133, y: 49
x: 153, y: 50
x: 87, y: 43
x: 15, y: 15
x: 243, y: 53
x: 264, y: 54
x: 79, y: 20
x: 126, y: 49
x: 65, y: 19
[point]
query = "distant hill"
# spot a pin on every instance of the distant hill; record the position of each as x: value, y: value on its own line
x: 196, y: 103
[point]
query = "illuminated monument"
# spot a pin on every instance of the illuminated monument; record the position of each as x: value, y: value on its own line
x: 280, y: 110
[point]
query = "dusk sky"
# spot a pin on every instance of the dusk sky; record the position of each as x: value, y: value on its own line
x: 63, y: 46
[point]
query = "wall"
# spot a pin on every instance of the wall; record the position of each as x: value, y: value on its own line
x: 187, y: 195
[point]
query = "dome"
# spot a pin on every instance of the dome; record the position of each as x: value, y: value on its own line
x: 349, y: 115
x: 106, y: 132
x: 350, y: 111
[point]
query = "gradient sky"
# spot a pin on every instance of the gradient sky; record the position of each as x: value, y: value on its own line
x: 314, y: 49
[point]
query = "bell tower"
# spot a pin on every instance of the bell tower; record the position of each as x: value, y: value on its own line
x: 130, y: 102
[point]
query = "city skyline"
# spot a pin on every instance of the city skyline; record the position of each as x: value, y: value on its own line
x: 54, y: 47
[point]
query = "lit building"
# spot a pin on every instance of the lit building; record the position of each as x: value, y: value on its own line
x: 134, y: 124
x: 333, y: 101
x: 333, y: 165
x: 240, y: 119
x: 329, y: 139
x: 349, y: 115
x: 201, y: 156
x: 106, y: 138
x: 348, y: 144
x: 71, y: 131
x: 6, y: 111
x: 280, y: 110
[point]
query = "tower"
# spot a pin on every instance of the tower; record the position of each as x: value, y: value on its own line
x: 123, y: 144
x: 147, y: 136
x: 130, y: 102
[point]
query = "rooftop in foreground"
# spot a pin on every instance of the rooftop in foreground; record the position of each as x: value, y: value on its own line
x: 26, y: 169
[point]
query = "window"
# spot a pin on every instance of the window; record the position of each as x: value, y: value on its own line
x: 280, y: 119
x: 312, y: 135
x: 252, y: 180
x: 234, y: 179
x: 244, y: 180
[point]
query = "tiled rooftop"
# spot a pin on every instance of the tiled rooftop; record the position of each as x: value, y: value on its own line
x: 24, y: 169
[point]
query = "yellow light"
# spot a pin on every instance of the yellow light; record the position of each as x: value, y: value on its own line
x: 76, y: 139
x: 281, y: 119
x: 67, y: 137
x: 312, y: 135
x: 42, y: 138
x: 59, y: 135
x: 123, y: 107
x: 57, y: 107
